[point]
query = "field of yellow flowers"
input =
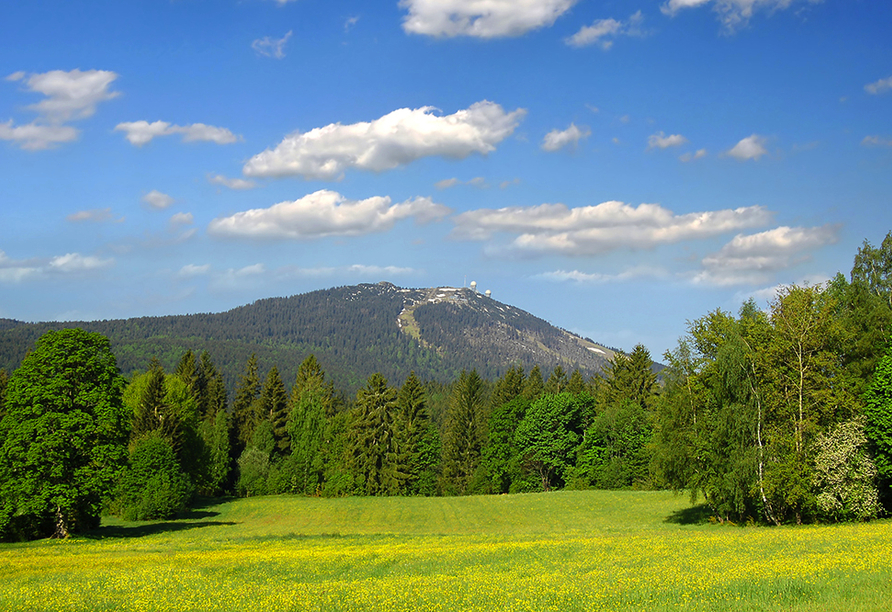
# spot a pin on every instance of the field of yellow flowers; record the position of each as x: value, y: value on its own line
x: 586, y: 550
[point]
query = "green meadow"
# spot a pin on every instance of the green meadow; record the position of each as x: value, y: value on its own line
x: 568, y: 550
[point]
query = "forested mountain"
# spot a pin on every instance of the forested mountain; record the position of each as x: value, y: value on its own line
x: 354, y: 331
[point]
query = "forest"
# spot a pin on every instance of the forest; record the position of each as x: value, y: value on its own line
x: 770, y: 416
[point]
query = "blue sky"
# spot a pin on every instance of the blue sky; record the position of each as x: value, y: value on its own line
x: 616, y: 167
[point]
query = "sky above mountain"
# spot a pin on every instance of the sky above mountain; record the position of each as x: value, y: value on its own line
x: 616, y: 167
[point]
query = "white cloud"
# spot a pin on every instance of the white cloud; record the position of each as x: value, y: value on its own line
x: 322, y: 214
x: 34, y: 136
x: 157, y: 200
x: 69, y: 96
x: 477, y: 181
x: 231, y: 183
x: 591, y: 230
x: 733, y: 13
x: 881, y: 86
x: 12, y: 271
x: 598, y: 277
x: 350, y: 23
x: 603, y: 31
x: 749, y: 259
x: 75, y: 262
x: 181, y: 219
x: 142, y: 132
x: 661, y: 141
x: 271, y: 47
x: 558, y: 139
x: 751, y: 147
x: 192, y: 270
x: 96, y: 215
x: 876, y: 141
x: 395, y: 139
x: 700, y: 154
x: 480, y: 18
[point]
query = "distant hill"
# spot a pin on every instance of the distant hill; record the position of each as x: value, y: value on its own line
x: 353, y: 331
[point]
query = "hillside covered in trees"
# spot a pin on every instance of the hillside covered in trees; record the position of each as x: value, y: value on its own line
x: 352, y: 331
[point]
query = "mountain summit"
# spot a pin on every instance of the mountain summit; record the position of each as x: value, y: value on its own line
x: 354, y: 331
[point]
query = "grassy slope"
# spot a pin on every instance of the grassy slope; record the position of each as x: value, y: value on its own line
x: 563, y: 551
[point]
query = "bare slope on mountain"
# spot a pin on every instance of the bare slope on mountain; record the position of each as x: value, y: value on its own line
x: 353, y: 331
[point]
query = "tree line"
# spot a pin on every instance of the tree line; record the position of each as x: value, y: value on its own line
x: 774, y: 416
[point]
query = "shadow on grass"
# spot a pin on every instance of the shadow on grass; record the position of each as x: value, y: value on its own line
x: 193, y: 518
x: 695, y: 515
x: 145, y: 529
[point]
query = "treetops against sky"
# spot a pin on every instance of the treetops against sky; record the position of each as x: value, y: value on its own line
x: 587, y: 161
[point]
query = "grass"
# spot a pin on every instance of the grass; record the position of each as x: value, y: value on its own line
x: 584, y: 550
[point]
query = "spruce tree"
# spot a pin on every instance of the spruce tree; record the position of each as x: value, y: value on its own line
x: 416, y: 440
x: 557, y: 382
x: 246, y: 406
x: 371, y: 438
x: 4, y: 380
x: 534, y: 386
x: 213, y: 389
x: 465, y: 433
x: 274, y: 408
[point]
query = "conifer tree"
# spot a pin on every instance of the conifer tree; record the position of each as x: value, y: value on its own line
x: 557, y: 382
x: 509, y: 386
x: 274, y: 408
x: 416, y: 440
x: 246, y: 406
x: 213, y: 390
x: 534, y: 386
x: 576, y: 384
x: 371, y: 438
x: 465, y: 432
x: 310, y: 401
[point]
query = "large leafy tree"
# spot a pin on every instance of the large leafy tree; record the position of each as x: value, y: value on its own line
x: 878, y: 425
x: 548, y: 435
x: 64, y: 436
x: 4, y: 380
x: 311, y: 399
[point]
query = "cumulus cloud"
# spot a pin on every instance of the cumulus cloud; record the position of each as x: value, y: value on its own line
x: 603, y: 31
x: 876, y: 141
x: 661, y: 141
x: 231, y: 183
x: 687, y: 157
x: 69, y: 96
x: 480, y: 18
x: 157, y: 200
x: 881, y: 86
x: 75, y: 262
x: 140, y: 133
x: 322, y: 214
x: 733, y: 13
x: 749, y: 259
x: 271, y: 47
x: 558, y: 139
x: 751, y: 147
x: 395, y: 139
x: 605, y: 227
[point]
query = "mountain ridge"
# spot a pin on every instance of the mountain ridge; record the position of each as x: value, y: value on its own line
x: 353, y: 331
